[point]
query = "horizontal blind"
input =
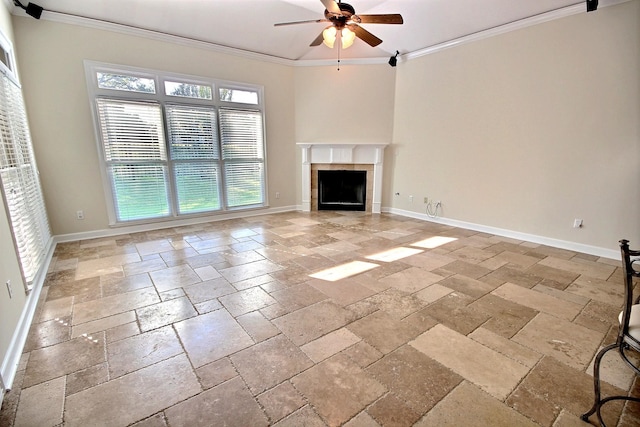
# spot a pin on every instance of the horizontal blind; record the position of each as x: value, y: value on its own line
x: 193, y: 141
x: 193, y: 132
x: 135, y: 152
x: 244, y: 183
x: 242, y: 140
x: 197, y: 186
x: 140, y: 191
x: 241, y: 134
x: 131, y: 130
x: 20, y: 182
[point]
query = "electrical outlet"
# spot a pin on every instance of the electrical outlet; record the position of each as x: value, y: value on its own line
x: 9, y: 289
x: 411, y: 199
x: 426, y: 200
x: 577, y: 223
x: 79, y: 214
x: 277, y: 194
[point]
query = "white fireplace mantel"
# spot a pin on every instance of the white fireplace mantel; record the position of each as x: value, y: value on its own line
x: 347, y: 153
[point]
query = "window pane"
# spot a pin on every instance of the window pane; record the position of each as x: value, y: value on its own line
x: 244, y: 184
x: 187, y: 90
x: 197, y: 187
x: 5, y: 58
x: 193, y: 132
x: 241, y: 134
x: 241, y: 96
x: 126, y: 82
x: 131, y: 130
x: 140, y: 191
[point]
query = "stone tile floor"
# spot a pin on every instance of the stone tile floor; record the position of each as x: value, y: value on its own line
x: 319, y: 319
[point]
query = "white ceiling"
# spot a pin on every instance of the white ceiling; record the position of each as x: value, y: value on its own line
x: 248, y: 24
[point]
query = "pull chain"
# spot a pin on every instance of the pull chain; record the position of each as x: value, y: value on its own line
x: 339, y: 40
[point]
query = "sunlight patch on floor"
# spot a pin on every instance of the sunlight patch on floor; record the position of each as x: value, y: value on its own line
x: 343, y: 271
x: 394, y: 254
x: 434, y: 242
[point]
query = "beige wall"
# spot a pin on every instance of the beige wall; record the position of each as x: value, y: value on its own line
x: 528, y: 130
x: 524, y: 131
x: 52, y: 54
x: 354, y: 104
x: 10, y: 308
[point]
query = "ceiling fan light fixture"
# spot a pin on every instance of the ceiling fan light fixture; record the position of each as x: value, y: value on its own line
x: 345, y: 35
x: 348, y: 37
x: 329, y: 36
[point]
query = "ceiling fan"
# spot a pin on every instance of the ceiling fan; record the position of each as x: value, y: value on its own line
x: 345, y: 24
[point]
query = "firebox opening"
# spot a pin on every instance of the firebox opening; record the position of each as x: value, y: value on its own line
x: 344, y: 190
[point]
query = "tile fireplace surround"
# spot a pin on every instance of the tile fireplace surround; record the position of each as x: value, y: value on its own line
x: 348, y: 154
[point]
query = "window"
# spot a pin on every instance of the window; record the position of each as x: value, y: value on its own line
x: 187, y: 89
x: 193, y: 138
x: 135, y: 156
x: 19, y: 176
x: 125, y: 82
x: 242, y: 151
x: 175, y: 145
x: 236, y: 95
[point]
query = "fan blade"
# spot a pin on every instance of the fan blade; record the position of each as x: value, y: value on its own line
x: 318, y: 41
x: 281, y: 24
x: 331, y: 6
x: 391, y: 18
x: 365, y: 35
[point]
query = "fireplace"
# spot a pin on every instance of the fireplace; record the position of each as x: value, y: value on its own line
x: 342, y: 190
x: 317, y: 157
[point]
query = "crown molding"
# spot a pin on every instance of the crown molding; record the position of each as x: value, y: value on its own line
x: 506, y: 28
x: 10, y: 6
x: 98, y: 24
x: 191, y: 42
x: 65, y: 18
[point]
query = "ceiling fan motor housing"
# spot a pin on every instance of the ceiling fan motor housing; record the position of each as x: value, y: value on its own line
x: 343, y: 15
x: 339, y: 21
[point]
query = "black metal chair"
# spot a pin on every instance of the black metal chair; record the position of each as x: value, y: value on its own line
x: 628, y: 339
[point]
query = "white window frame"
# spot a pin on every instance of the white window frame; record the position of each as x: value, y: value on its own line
x: 159, y: 77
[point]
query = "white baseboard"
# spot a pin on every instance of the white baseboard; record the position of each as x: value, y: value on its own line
x: 3, y: 389
x: 11, y: 359
x: 120, y: 230
x: 556, y: 243
x: 533, y: 238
